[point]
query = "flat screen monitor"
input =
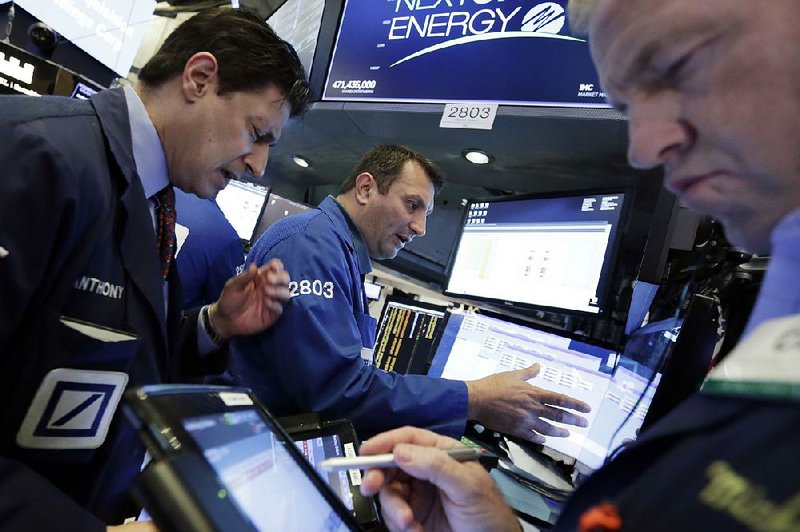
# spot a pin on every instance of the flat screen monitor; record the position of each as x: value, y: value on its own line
x: 639, y: 377
x: 108, y: 30
x: 276, y: 208
x: 474, y: 346
x: 429, y: 52
x: 298, y: 23
x: 242, y: 203
x: 545, y: 251
x: 407, y: 334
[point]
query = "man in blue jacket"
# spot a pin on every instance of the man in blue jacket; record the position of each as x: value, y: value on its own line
x: 712, y: 93
x: 88, y: 305
x: 211, y: 252
x: 318, y: 356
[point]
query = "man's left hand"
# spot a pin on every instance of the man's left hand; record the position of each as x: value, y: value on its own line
x: 251, y: 301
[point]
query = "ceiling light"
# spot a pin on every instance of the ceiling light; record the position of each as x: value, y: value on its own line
x: 477, y: 156
x: 301, y: 161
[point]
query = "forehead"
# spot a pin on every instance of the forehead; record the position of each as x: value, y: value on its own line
x: 625, y: 34
x: 413, y: 180
x: 268, y: 100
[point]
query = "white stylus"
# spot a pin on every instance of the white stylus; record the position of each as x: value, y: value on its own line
x: 383, y: 461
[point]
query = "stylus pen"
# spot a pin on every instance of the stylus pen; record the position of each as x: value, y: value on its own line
x: 383, y: 461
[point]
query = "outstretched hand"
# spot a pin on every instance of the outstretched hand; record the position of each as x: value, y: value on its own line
x: 251, y: 301
x: 505, y: 402
x: 429, y: 490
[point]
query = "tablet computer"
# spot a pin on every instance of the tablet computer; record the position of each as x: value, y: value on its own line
x: 337, y: 439
x: 220, y: 461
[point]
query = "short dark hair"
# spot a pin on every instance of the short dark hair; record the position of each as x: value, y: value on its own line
x: 386, y: 161
x: 249, y: 53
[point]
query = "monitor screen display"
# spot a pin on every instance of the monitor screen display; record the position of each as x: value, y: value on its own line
x: 423, y: 51
x: 321, y: 448
x: 406, y: 335
x: 242, y: 203
x: 298, y: 22
x: 474, y: 346
x: 108, y: 30
x: 546, y: 251
x: 621, y: 413
x: 259, y: 474
x: 277, y: 208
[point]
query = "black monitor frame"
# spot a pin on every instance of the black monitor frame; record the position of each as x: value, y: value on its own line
x: 608, y: 272
x: 416, y: 366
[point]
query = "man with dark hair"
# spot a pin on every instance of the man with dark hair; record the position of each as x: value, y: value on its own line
x: 318, y: 356
x: 89, y: 297
x: 711, y: 92
x: 385, y: 163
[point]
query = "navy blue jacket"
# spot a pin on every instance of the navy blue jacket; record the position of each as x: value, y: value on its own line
x: 714, y: 463
x: 78, y: 247
x: 310, y: 359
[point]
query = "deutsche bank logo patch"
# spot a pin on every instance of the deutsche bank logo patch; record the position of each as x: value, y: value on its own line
x: 72, y: 409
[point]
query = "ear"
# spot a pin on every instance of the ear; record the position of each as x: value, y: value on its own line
x: 200, y: 76
x: 365, y: 186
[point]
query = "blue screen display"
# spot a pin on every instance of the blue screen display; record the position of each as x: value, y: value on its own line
x: 506, y: 51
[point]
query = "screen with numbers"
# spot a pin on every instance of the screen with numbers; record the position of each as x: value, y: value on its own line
x: 407, y: 333
x: 618, y: 388
x: 543, y: 251
x: 516, y: 52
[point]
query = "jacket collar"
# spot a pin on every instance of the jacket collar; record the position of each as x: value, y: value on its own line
x: 349, y: 231
x: 138, y: 235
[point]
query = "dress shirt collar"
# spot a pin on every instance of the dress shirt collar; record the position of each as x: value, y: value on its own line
x: 148, y: 153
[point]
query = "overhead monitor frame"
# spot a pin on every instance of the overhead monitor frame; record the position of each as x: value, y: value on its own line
x: 406, y: 51
x: 606, y: 274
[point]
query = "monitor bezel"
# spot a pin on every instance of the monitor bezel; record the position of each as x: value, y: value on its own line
x: 610, y: 267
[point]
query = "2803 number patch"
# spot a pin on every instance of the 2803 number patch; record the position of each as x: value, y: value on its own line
x: 308, y: 287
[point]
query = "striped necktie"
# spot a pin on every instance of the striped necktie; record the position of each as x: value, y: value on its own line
x: 165, y: 227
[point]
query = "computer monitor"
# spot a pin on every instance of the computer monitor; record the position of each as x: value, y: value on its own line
x: 619, y: 417
x: 407, y: 334
x: 440, y: 52
x: 473, y: 346
x: 637, y: 380
x: 276, y: 208
x: 546, y: 251
x: 109, y: 31
x: 242, y: 203
x: 298, y: 23
x: 687, y: 363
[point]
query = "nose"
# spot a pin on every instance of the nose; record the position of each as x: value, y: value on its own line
x: 417, y: 225
x: 256, y: 161
x: 656, y: 131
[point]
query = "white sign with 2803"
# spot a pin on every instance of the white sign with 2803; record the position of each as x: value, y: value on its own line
x: 468, y: 115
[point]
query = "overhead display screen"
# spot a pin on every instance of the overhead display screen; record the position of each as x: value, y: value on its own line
x: 108, y: 30
x: 516, y: 52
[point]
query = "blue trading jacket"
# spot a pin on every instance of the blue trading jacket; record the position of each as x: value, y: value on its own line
x: 310, y: 359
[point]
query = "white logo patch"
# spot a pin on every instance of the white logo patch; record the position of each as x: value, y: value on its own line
x: 72, y: 409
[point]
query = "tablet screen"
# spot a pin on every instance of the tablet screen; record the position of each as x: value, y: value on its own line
x: 259, y: 473
x: 318, y: 449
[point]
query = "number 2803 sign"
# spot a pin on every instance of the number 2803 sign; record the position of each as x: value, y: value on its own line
x: 468, y: 115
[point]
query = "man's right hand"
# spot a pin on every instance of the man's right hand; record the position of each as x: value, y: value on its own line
x: 505, y: 402
x: 429, y: 490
